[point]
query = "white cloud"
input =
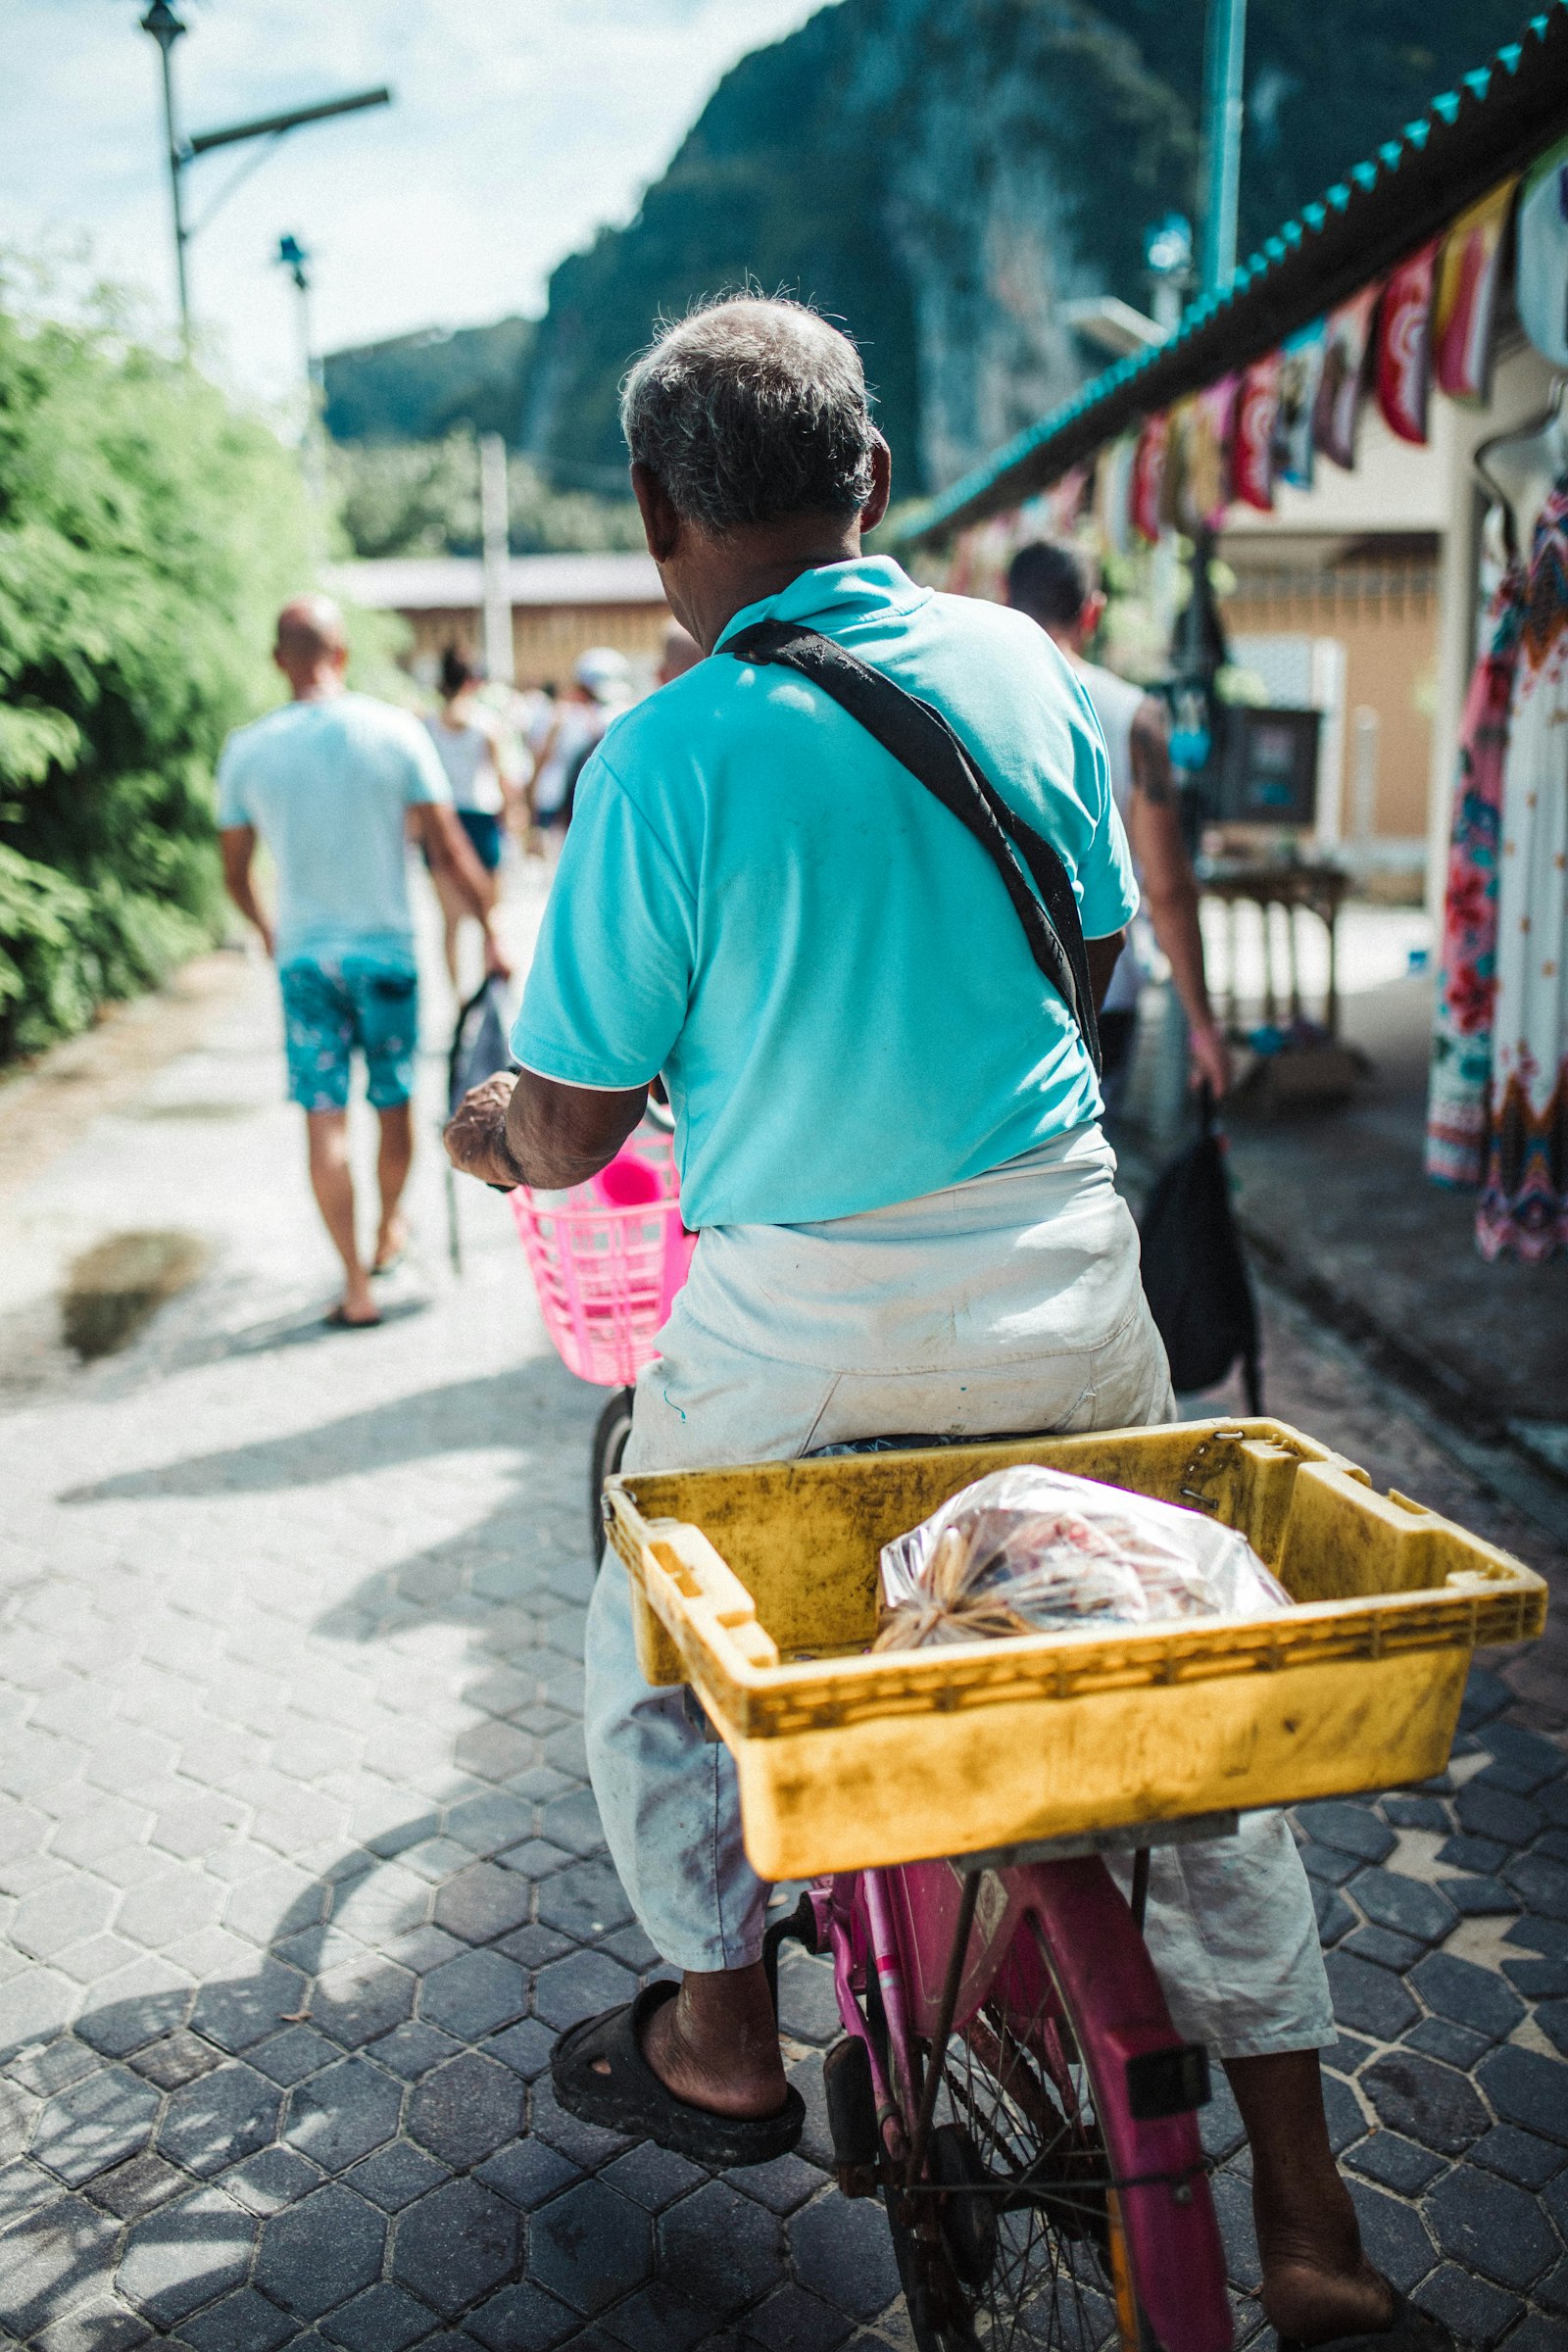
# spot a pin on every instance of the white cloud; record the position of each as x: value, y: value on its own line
x: 519, y: 125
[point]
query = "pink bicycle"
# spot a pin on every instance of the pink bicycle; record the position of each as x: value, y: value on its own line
x: 1010, y: 2083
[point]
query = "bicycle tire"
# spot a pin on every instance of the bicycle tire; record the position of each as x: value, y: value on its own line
x: 1018, y: 2088
x: 611, y: 1431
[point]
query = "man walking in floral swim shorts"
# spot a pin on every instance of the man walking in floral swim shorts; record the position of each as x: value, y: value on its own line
x: 326, y: 782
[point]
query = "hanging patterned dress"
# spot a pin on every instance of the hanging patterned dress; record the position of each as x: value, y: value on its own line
x: 1461, y: 1031
x: 1524, y: 1202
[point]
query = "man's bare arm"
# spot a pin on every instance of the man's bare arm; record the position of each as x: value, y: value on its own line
x: 238, y: 845
x: 1170, y: 888
x: 451, y: 853
x: 1104, y: 956
x: 525, y: 1129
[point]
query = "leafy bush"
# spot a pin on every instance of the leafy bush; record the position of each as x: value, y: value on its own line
x: 148, y: 532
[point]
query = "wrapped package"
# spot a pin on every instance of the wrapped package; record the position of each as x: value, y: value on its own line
x: 1030, y: 1550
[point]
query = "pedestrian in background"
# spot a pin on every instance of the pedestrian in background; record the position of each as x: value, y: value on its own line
x: 1056, y: 585
x: 471, y: 746
x: 326, y: 782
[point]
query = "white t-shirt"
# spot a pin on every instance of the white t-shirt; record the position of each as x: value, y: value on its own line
x: 325, y: 784
x: 576, y: 728
x: 468, y: 756
x: 1116, y: 703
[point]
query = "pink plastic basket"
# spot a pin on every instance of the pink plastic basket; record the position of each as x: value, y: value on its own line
x: 607, y: 1260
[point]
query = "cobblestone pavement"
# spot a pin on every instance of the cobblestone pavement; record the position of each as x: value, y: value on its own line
x: 301, y: 1871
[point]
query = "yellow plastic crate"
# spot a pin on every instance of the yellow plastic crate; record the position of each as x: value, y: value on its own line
x: 758, y: 1587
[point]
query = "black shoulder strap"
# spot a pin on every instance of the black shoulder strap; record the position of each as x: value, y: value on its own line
x: 920, y: 739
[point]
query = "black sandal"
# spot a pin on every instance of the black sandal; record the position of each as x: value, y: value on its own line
x: 631, y: 2099
x: 1410, y: 2330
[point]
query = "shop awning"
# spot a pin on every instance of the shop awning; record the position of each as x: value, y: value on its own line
x: 1497, y: 121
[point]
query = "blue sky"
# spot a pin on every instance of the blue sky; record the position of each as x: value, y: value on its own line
x: 519, y: 125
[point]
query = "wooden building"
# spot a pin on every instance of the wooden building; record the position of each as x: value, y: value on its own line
x: 561, y: 605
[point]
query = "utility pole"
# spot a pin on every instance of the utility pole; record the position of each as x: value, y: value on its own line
x: 1224, y: 108
x: 166, y: 29
x: 293, y: 257
x: 495, y: 523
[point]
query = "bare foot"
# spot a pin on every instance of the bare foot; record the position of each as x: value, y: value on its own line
x: 1310, y: 2304
x: 391, y: 1243
x: 716, y: 2044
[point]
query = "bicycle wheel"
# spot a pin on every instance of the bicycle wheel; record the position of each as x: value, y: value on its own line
x: 609, y: 1443
x: 1028, y: 2247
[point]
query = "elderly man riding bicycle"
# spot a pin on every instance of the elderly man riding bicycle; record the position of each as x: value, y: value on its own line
x: 888, y: 1136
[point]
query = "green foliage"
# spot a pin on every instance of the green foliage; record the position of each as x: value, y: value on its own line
x: 422, y: 499
x: 421, y: 387
x: 148, y: 533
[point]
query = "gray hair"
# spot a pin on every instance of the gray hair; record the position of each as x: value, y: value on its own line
x: 750, y: 411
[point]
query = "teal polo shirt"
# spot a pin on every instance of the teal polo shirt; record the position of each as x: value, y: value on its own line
x: 758, y: 901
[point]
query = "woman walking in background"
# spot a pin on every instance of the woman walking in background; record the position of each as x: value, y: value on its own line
x: 468, y: 743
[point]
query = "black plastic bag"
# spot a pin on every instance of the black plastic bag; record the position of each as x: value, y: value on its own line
x: 479, y: 1047
x: 1195, y: 1269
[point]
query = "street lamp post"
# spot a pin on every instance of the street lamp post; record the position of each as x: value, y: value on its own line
x: 1224, y: 111
x: 166, y: 29
x: 293, y: 257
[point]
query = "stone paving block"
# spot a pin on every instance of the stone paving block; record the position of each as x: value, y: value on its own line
x: 1493, y: 2227
x: 1538, y: 2333
x: 174, y: 2058
x: 1480, y: 1855
x: 344, y: 2112
x: 1523, y: 1759
x: 1478, y: 2315
x: 111, y: 1822
x: 1355, y: 1829
x: 1329, y: 1865
x: 473, y: 1994
x: 1526, y: 2089
x: 1493, y: 1813
x: 276, y: 1900
x: 1552, y: 2019
x: 1367, y: 1997
x: 1398, y: 2163
x: 238, y: 2012
x: 808, y: 2004
x: 198, y: 1825
x: 483, y: 1903
x: 62, y: 1912
x: 456, y: 2246
x: 1427, y: 2102
x: 185, y: 2255
x: 382, y: 2320
x: 1233, y: 2210
x: 1393, y: 2234
x: 245, y: 2321
x: 588, y: 2146
x: 1334, y: 1915
x: 56, y: 2254
x: 842, y: 2250
x: 267, y: 2183
x: 1520, y: 2156
x: 521, y: 2319
x: 654, y: 2177
x: 632, y: 1948
x: 1415, y: 1812
x: 529, y: 2171
x: 289, y: 2056
x: 534, y: 1947
x: 1475, y: 1898
x: 781, y: 2186
x: 526, y: 2048
x: 585, y: 1899
x: 464, y: 2110
x: 792, y: 2320
x: 658, y: 2318
x: 1384, y: 1948
x: 96, y: 2326
x: 46, y: 2067
x: 1554, y: 2293
x: 137, y: 2186
x: 360, y: 2001
x: 169, y: 1908
x: 725, y: 2250
x: 18, y: 2111
x: 487, y: 1824
x: 318, y: 2254
x: 219, y: 2119
x: 1455, y: 2045
x: 494, y: 1751
x: 589, y: 2247
x: 534, y: 1858
x: 412, y: 2050
x: 580, y: 1987
x: 97, y: 2123
x: 1405, y: 1905
x: 1543, y: 1883
x: 396, y: 2174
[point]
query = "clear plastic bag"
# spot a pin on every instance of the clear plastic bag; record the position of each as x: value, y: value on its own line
x: 1028, y: 1551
